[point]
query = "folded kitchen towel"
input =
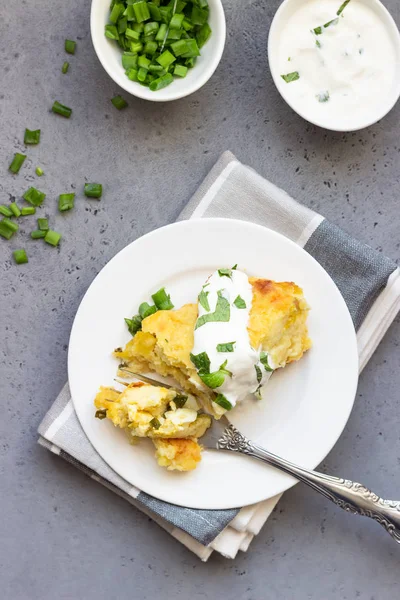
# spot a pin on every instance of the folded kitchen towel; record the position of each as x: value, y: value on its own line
x: 369, y: 283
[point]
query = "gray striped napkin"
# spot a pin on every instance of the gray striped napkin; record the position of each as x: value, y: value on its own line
x: 369, y: 283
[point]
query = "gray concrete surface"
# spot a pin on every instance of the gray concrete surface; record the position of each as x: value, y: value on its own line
x: 62, y: 535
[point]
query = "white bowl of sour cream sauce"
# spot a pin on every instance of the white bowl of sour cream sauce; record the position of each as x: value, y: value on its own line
x: 335, y: 62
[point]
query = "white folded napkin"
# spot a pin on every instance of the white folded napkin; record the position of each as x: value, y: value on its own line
x: 368, y: 281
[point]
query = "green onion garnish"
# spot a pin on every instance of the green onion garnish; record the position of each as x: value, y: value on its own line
x: 17, y: 162
x: 291, y: 77
x: 343, y: 6
x: 32, y: 137
x: 323, y: 96
x: 203, y: 300
x: 61, y: 109
x: 20, y: 256
x: 5, y: 231
x: 222, y: 312
x: 35, y: 235
x: 162, y: 300
x: 34, y: 196
x: 134, y: 325
x: 222, y: 401
x: 258, y: 373
x: 239, y: 302
x: 5, y: 211
x: 101, y: 413
x: 317, y: 30
x: 201, y: 362
x: 119, y: 102
x: 70, y: 46
x: 10, y: 225
x: 15, y: 209
x: 28, y: 210
x: 43, y: 224
x: 65, y: 67
x: 52, y: 237
x: 145, y: 310
x: 180, y: 400
x: 264, y: 361
x: 212, y: 380
x: 39, y: 172
x: 66, y: 202
x: 227, y: 347
x: 155, y: 423
x: 93, y: 190
x: 225, y: 273
x: 332, y: 22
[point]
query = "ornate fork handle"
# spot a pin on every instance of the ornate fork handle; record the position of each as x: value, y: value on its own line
x: 351, y: 496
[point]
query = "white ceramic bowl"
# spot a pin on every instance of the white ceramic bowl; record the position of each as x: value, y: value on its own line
x: 284, y: 12
x: 109, y: 55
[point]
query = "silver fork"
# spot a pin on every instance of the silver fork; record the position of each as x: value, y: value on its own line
x: 353, y: 497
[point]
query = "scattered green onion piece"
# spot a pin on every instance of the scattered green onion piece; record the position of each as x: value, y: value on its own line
x: 28, y: 210
x: 291, y: 77
x: 17, y: 162
x: 239, y: 302
x: 66, y: 202
x: 227, y: 347
x: 5, y: 211
x: 116, y: 12
x: 93, y: 190
x: 132, y: 35
x: 136, y: 47
x: 187, y: 25
x: 157, y: 69
x: 203, y: 298
x: 144, y: 62
x: 122, y: 25
x: 15, y: 209
x: 70, y: 46
x: 165, y: 59
x: 225, y: 273
x: 150, y: 48
x: 39, y: 172
x: 155, y: 423
x: 5, y: 231
x: 43, y: 224
x: 162, y: 300
x: 222, y: 401
x: 323, y: 96
x: 141, y: 11
x: 142, y: 74
x: 38, y: 234
x: 199, y: 16
x: 129, y: 60
x: 222, y: 313
x: 176, y: 21
x: 317, y: 30
x: 201, y: 362
x: 343, y: 6
x: 332, y: 22
x: 203, y: 35
x: 101, y: 414
x: 132, y: 74
x: 32, y: 137
x: 61, y: 109
x: 192, y: 49
x: 134, y: 325
x: 20, y: 256
x: 180, y: 400
x: 119, y: 102
x: 161, y: 82
x: 65, y: 67
x: 162, y: 32
x: 154, y: 11
x: 264, y: 361
x: 111, y: 32
x: 10, y: 225
x: 52, y: 237
x: 151, y: 28
x: 145, y: 310
x: 190, y: 62
x: 34, y: 196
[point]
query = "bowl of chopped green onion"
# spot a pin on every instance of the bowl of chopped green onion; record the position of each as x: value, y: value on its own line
x: 159, y: 50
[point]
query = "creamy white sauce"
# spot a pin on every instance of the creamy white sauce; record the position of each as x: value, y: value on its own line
x: 242, y: 361
x: 347, y: 71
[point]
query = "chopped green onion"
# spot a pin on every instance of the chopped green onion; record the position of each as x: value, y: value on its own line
x: 61, y: 109
x: 119, y: 102
x: 20, y: 257
x: 343, y: 6
x: 70, y: 46
x: 154, y: 11
x: 43, y: 224
x: 264, y: 361
x: 144, y: 62
x: 323, y: 96
x: 111, y: 32
x: 225, y: 273
x: 66, y: 202
x: 65, y: 67
x: 17, y: 162
x: 203, y: 35
x: 129, y: 60
x: 192, y: 49
x: 151, y: 28
x: 52, y: 237
x: 212, y: 380
x: 5, y: 231
x: 150, y: 48
x: 122, y: 25
x: 28, y: 210
x: 291, y: 77
x: 134, y: 324
x: 222, y: 401
x: 222, y: 313
x: 132, y: 34
x: 162, y: 300
x: 161, y: 82
x: 141, y: 11
x: 317, y: 30
x: 32, y: 137
x: 227, y: 347
x: 258, y: 373
x: 5, y: 211
x: 155, y: 423
x: 93, y: 190
x: 116, y: 12
x: 132, y: 74
x: 101, y: 414
x: 165, y: 59
x: 176, y: 21
x: 332, y: 22
x: 201, y: 362
x: 34, y: 196
x: 180, y: 400
x: 10, y: 224
x: 38, y: 234
x: 199, y: 16
x: 145, y: 310
x: 162, y: 32
x: 203, y: 300
x: 39, y: 172
x: 15, y: 209
x: 142, y: 74
x: 239, y: 302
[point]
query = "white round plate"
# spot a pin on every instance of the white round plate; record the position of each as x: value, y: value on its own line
x: 305, y: 406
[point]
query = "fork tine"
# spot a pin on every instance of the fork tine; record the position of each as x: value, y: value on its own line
x: 145, y: 379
